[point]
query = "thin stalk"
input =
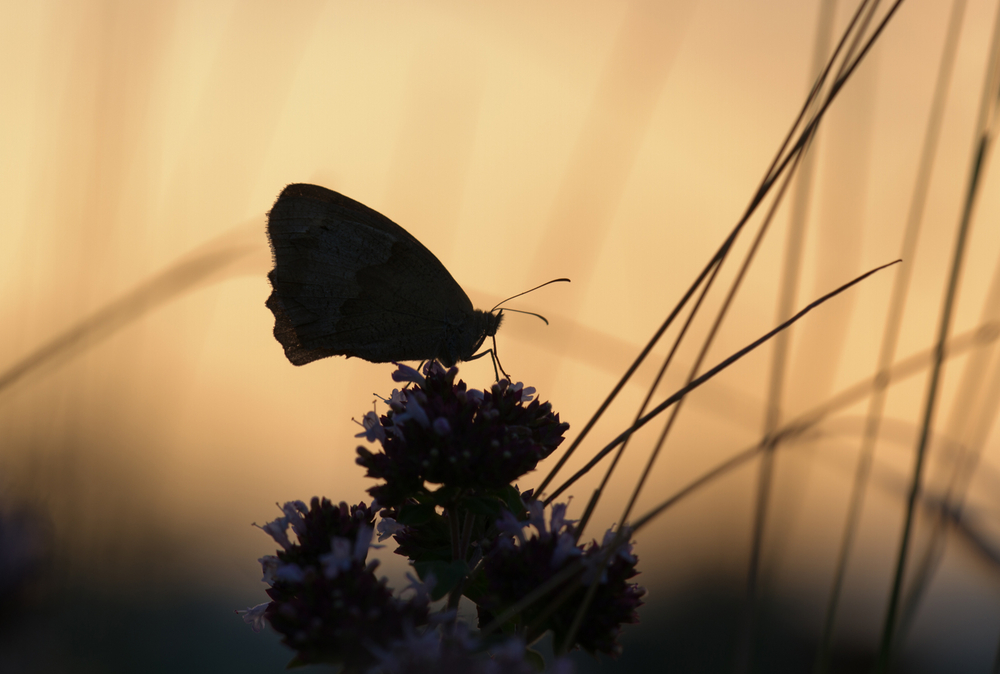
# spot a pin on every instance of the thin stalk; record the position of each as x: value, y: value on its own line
x: 985, y: 125
x: 181, y: 277
x: 467, y: 526
x: 725, y: 467
x: 890, y: 336
x: 591, y: 505
x: 973, y: 413
x: 903, y: 369
x: 463, y: 551
x: 900, y: 372
x: 777, y: 167
x: 710, y: 338
x: 790, y: 274
x: 928, y: 417
x: 537, y: 594
x: 698, y: 381
x: 609, y: 550
x: 716, y: 260
x: 974, y: 537
x: 455, y: 596
x: 456, y: 535
x: 571, y: 588
x: 595, y: 497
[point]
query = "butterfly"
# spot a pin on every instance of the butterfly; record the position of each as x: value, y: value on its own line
x: 348, y: 281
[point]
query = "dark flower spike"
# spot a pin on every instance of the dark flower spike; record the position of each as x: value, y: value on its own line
x: 439, y: 432
x: 325, y: 599
x: 521, y: 562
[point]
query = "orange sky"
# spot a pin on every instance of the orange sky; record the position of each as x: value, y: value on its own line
x: 612, y: 143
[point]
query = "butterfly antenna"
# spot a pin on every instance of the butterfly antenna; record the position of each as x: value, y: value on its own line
x: 530, y: 313
x: 493, y: 351
x: 558, y: 280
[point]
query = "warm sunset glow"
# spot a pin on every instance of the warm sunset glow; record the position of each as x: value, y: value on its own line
x: 612, y: 143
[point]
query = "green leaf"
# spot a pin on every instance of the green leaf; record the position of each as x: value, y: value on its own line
x: 476, y: 586
x: 512, y: 498
x: 486, y: 506
x: 415, y: 514
x: 444, y: 496
x: 447, y: 574
x: 535, y: 659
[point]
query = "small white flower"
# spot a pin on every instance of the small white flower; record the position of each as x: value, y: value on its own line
x: 277, y: 530
x: 421, y: 590
x: 397, y: 401
x: 338, y: 559
x: 508, y: 524
x: 536, y: 516
x: 407, y: 373
x: 290, y: 573
x: 269, y: 563
x: 558, y: 518
x: 373, y: 429
x: 388, y: 527
x: 410, y: 409
x: 527, y: 394
x: 624, y: 550
x: 434, y: 368
x: 591, y: 565
x: 294, y: 510
x: 565, y: 548
x: 254, y: 616
x: 416, y: 412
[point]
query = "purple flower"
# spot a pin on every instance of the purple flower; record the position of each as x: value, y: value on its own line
x: 278, y: 530
x: 269, y: 563
x: 254, y: 617
x: 342, y: 619
x: 387, y: 527
x: 510, y: 526
x: 521, y: 563
x: 407, y: 374
x: 372, y: 426
x: 325, y: 599
x: 438, y: 432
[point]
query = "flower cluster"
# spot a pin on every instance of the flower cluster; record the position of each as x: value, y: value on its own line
x: 325, y: 598
x: 439, y: 432
x: 447, y: 462
x: 520, y: 564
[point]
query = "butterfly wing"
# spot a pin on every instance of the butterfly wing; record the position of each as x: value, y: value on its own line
x: 349, y: 281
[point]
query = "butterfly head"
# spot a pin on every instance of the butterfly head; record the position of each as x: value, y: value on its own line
x: 465, y: 339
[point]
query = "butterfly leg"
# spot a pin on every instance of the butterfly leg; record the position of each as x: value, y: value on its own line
x: 496, y: 361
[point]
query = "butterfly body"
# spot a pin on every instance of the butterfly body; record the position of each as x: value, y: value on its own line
x: 348, y: 281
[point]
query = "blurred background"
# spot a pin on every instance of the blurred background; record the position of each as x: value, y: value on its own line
x: 148, y: 416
